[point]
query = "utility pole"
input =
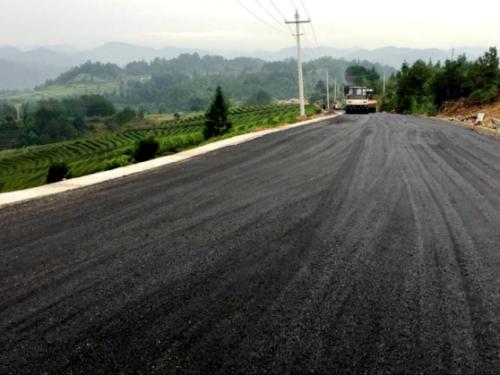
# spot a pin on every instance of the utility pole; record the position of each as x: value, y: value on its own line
x: 327, y: 92
x: 335, y: 93
x: 297, y: 23
x: 18, y: 108
x: 383, y: 90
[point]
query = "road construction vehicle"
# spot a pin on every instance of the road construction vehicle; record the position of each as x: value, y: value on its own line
x: 360, y: 100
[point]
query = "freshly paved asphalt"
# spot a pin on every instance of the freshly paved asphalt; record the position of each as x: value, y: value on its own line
x: 362, y: 244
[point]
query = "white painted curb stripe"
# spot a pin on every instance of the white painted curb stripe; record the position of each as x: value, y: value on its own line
x: 15, y: 197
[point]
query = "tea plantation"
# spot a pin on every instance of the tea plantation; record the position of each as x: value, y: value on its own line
x: 25, y: 168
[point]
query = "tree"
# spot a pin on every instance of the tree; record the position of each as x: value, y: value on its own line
x: 418, y: 77
x: 124, y: 116
x: 319, y: 93
x: 51, y: 123
x: 216, y: 118
x: 197, y: 104
x: 485, y: 69
x: 403, y: 90
x: 261, y: 97
x: 360, y: 76
x: 451, y: 81
x: 485, y: 77
x: 96, y: 105
x: 413, y: 91
x: 140, y: 113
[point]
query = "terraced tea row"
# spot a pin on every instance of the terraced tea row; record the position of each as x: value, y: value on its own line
x: 28, y: 167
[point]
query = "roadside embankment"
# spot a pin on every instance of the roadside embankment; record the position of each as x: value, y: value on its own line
x: 15, y: 197
x: 481, y: 118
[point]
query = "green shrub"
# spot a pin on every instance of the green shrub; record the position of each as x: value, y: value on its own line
x: 179, y: 142
x: 426, y: 107
x: 57, y: 172
x: 483, y: 95
x: 25, y: 168
x: 119, y: 161
x: 146, y: 149
x: 125, y: 116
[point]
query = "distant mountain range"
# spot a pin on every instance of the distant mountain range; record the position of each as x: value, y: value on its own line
x: 393, y: 56
x: 21, y: 69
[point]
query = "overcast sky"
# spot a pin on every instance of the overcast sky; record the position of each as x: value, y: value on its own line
x: 225, y: 25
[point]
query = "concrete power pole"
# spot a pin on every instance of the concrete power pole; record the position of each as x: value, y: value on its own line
x: 383, y: 90
x: 335, y: 93
x: 297, y: 23
x: 18, y: 108
x: 327, y: 92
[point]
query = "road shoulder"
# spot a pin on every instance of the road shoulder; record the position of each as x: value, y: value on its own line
x: 22, y: 196
x: 492, y: 133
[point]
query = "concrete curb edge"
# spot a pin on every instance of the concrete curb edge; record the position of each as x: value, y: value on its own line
x: 22, y: 196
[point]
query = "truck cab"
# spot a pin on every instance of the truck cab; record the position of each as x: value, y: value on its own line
x: 360, y: 100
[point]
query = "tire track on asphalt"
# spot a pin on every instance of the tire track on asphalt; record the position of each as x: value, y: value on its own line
x: 366, y: 244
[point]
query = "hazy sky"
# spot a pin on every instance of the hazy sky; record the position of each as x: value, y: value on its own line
x: 225, y: 25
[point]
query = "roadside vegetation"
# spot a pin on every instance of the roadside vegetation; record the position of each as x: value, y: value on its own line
x: 357, y: 75
x: 186, y: 83
x: 57, y: 172
x: 28, y: 167
x: 216, y: 119
x: 51, y: 121
x: 425, y: 87
x: 146, y: 149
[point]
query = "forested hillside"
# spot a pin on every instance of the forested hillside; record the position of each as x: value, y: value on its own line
x: 187, y: 82
x: 424, y: 87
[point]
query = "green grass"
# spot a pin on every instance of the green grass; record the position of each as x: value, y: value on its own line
x: 25, y: 168
x: 60, y: 92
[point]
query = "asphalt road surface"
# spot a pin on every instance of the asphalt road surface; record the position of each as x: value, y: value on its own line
x: 361, y: 244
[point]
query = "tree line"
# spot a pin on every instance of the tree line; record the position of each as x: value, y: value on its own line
x: 425, y: 87
x: 188, y: 86
x: 187, y: 82
x: 58, y: 120
x: 217, y: 124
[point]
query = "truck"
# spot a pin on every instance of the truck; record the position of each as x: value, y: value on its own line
x: 360, y: 100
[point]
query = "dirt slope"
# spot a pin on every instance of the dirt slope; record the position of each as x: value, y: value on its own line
x: 461, y: 110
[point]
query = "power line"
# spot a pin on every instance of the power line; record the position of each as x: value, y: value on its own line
x: 281, y: 14
x: 255, y: 15
x: 312, y: 26
x: 269, y: 13
x: 277, y: 9
x: 311, y: 47
x: 305, y: 8
x: 315, y: 36
x: 294, y: 5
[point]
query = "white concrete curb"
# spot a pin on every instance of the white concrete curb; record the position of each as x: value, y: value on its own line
x: 16, y: 197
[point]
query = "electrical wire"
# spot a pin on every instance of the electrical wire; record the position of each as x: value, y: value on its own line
x: 255, y: 15
x: 269, y: 13
x: 281, y: 14
x: 277, y: 9
x: 312, y: 28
